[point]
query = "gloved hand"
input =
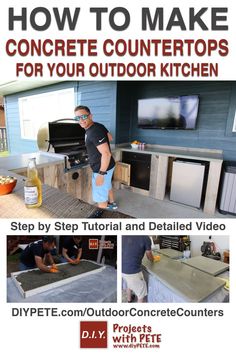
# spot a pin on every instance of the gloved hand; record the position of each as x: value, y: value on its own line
x: 53, y: 270
x: 156, y: 258
x: 54, y: 266
x: 76, y: 261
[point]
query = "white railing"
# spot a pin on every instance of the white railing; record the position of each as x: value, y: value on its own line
x: 3, y: 139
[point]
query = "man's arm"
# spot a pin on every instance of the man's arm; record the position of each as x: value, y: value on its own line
x: 106, y: 156
x: 110, y: 137
x: 41, y: 265
x: 65, y: 255
x: 79, y: 253
x: 150, y: 255
x: 105, y: 160
x: 78, y: 256
x: 50, y: 258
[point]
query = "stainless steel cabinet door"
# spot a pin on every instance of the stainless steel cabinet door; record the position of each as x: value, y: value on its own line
x: 187, y: 182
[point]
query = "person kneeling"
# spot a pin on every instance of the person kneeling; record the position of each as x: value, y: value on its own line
x: 72, y: 249
x: 37, y: 254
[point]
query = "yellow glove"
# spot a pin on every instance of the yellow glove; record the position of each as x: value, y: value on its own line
x: 156, y: 258
x: 53, y: 270
x: 227, y: 285
x: 54, y: 266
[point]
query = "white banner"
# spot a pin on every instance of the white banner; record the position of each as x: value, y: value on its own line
x: 116, y: 40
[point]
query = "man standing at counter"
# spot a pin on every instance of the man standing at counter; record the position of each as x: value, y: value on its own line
x: 97, y: 140
x: 133, y: 250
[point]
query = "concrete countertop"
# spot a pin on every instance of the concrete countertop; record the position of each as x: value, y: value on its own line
x: 171, y: 253
x: 175, y: 151
x: 190, y: 283
x: 207, y: 265
x: 19, y: 163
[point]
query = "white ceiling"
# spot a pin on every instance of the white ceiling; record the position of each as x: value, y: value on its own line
x: 9, y: 87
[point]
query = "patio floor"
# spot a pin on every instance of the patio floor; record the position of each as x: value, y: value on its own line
x: 140, y: 206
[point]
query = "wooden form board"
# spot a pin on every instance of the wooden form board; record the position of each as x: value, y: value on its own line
x: 53, y: 284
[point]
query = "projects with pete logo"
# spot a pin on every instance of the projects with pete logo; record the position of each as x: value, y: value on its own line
x: 93, y: 334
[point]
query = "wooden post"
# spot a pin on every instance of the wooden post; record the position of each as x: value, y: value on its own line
x: 158, y: 190
x: 153, y: 176
x: 212, y: 187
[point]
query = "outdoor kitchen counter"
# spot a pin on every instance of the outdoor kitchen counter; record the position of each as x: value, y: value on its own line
x: 19, y: 163
x: 175, y: 151
x: 180, y: 284
x: 56, y: 204
x: 160, y: 162
x: 51, y: 171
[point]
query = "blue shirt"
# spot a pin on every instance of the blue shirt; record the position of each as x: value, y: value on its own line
x: 133, y: 250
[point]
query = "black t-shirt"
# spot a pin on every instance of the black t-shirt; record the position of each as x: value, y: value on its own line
x: 71, y: 247
x: 32, y: 250
x: 97, y: 135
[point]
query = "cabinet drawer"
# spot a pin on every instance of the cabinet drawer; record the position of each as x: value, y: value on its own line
x: 135, y: 156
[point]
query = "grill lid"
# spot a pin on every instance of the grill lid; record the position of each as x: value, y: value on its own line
x: 65, y: 132
x: 64, y: 135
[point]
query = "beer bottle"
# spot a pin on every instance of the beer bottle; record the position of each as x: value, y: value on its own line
x: 33, y: 186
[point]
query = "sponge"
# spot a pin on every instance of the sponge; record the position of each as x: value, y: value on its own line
x: 156, y: 258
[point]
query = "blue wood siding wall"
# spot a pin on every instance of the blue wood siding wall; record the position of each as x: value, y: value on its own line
x: 99, y: 96
x: 214, y: 123
x: 115, y: 105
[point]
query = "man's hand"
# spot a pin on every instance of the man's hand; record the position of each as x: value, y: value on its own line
x: 53, y: 270
x: 76, y: 261
x: 54, y: 266
x: 71, y: 261
x: 156, y: 258
x: 99, y: 180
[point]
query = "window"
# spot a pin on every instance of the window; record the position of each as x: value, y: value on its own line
x: 46, y: 107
